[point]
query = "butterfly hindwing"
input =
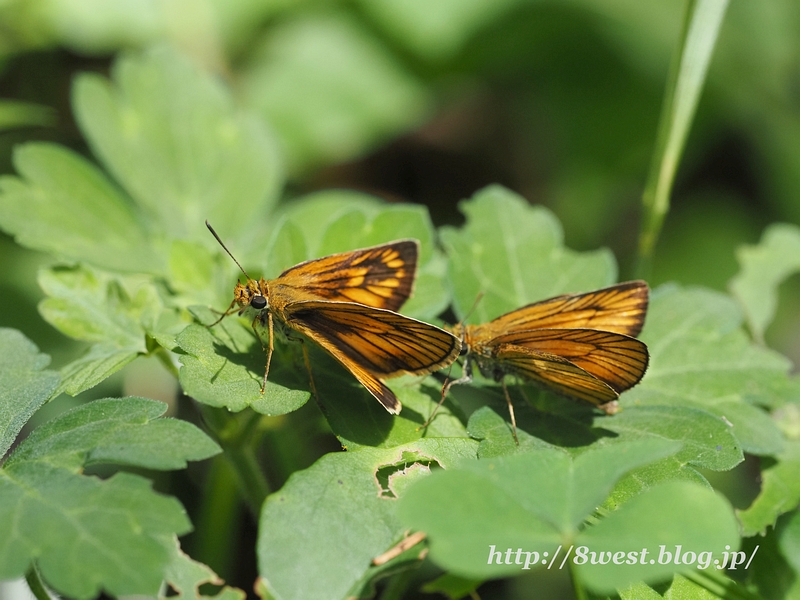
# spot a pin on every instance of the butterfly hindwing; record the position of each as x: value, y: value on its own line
x: 381, y: 276
x: 553, y: 372
x: 617, y: 360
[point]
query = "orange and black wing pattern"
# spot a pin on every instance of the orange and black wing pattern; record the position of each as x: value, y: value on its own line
x: 620, y: 308
x: 374, y: 344
x: 381, y: 276
x: 606, y: 363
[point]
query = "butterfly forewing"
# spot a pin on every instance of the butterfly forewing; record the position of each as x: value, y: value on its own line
x: 374, y: 343
x: 620, y: 309
x: 381, y: 276
x: 617, y: 360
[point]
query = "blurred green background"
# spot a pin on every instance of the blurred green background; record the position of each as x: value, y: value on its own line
x: 427, y: 102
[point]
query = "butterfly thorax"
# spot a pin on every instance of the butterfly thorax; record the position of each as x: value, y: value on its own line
x: 475, y: 345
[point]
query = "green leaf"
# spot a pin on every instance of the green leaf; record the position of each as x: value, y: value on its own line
x: 333, y: 518
x: 99, y: 363
x: 24, y: 384
x: 780, y: 492
x: 707, y: 443
x: 173, y: 138
x: 113, y: 313
x: 62, y: 204
x: 707, y: 440
x: 789, y: 541
x: 123, y: 431
x: 672, y: 517
x: 87, y: 534
x: 224, y: 366
x: 763, y: 268
x: 185, y: 576
x: 513, y: 254
x: 330, y: 90
x: 534, y: 500
x: 701, y: 25
x: 701, y: 357
x: 94, y: 307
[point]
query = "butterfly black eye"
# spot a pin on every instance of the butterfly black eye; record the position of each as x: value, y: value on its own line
x: 258, y: 302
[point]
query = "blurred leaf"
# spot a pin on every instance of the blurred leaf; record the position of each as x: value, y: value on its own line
x: 24, y: 384
x: 532, y: 500
x: 780, y: 492
x: 331, y: 91
x: 173, y: 138
x: 789, y: 541
x: 435, y: 31
x: 701, y: 357
x: 690, y: 61
x: 118, y: 431
x: 667, y: 517
x: 86, y: 533
x: 333, y: 518
x: 514, y: 254
x: 62, y: 204
x: 763, y: 268
x: 94, y: 307
x: 185, y: 576
x: 452, y: 586
x: 224, y: 366
x: 24, y: 114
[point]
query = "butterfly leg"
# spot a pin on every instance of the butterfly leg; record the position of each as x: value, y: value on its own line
x: 222, y: 315
x: 511, y: 412
x: 466, y: 377
x: 310, y: 372
x: 267, y: 349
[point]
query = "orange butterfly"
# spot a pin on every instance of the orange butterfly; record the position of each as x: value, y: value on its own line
x: 344, y: 303
x: 577, y: 345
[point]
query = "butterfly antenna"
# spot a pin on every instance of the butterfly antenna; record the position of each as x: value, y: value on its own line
x: 224, y: 247
x: 469, y: 312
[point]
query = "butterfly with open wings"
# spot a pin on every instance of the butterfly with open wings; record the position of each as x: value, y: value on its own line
x: 345, y: 302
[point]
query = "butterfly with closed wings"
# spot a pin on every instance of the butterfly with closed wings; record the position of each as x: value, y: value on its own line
x: 577, y: 345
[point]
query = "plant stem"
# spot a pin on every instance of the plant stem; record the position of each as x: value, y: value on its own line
x: 701, y: 24
x: 397, y: 586
x: 720, y: 585
x: 35, y: 584
x: 238, y: 440
x: 580, y: 591
x: 217, y: 521
x: 163, y: 355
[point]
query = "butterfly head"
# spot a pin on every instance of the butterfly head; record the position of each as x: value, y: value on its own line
x: 253, y: 294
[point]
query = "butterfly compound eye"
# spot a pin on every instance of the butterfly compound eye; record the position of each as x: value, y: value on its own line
x: 258, y: 302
